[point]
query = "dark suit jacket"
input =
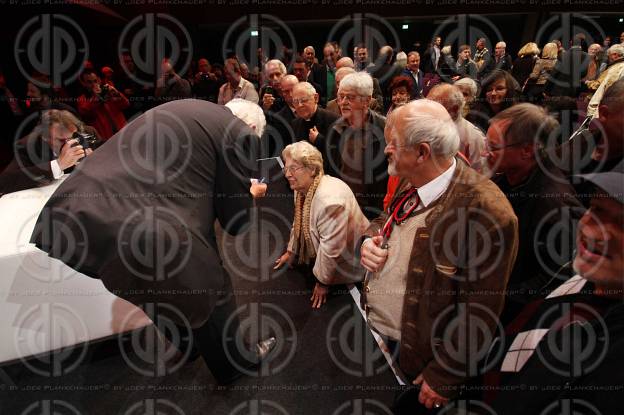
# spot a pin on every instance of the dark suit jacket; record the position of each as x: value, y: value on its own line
x: 145, y: 227
x: 417, y: 90
x: 318, y: 75
x: 566, y: 79
x: 322, y: 119
x: 278, y: 133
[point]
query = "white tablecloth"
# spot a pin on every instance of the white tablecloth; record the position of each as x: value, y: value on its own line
x: 46, y: 305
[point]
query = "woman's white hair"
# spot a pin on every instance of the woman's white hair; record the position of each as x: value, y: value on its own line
x: 305, y: 154
x: 425, y: 127
x: 250, y: 113
x: 362, y: 82
x: 470, y: 83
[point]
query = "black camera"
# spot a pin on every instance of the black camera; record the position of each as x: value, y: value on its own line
x: 269, y: 90
x: 86, y: 140
x: 104, y: 92
x: 205, y: 77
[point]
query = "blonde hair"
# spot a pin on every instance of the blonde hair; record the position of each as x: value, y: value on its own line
x: 306, y: 154
x: 529, y: 49
x: 550, y: 51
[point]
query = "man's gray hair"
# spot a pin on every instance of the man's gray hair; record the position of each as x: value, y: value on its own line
x: 527, y: 123
x: 619, y: 49
x: 451, y: 97
x: 422, y: 127
x: 413, y: 53
x: 503, y: 44
x: 250, y: 113
x: 362, y: 82
x: 53, y: 116
x: 309, y: 89
x: 470, y: 83
x: 311, y: 48
x: 277, y: 62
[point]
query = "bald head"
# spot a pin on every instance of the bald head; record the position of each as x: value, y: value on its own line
x: 450, y: 97
x: 287, y: 83
x: 345, y: 62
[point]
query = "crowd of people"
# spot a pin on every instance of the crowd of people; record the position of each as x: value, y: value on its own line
x: 447, y: 186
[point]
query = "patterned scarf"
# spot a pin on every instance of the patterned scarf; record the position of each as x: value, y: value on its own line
x: 303, y: 246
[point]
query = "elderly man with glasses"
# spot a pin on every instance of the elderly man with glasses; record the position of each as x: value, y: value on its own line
x: 354, y: 150
x: 312, y: 123
x: 439, y: 258
x: 542, y: 199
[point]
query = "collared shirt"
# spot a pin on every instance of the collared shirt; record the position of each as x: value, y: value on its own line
x: 244, y: 90
x: 432, y: 191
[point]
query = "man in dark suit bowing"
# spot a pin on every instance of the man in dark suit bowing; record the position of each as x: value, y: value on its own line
x: 139, y: 215
x: 312, y: 123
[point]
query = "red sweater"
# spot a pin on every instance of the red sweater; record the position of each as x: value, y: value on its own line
x: 105, y: 116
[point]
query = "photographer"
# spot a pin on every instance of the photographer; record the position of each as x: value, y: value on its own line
x: 170, y: 85
x: 205, y: 83
x: 101, y: 106
x: 57, y: 144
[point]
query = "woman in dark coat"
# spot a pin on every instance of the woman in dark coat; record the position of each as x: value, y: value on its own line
x: 139, y: 214
x: 499, y: 91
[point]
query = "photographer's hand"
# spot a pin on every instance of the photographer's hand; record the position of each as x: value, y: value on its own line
x: 70, y: 155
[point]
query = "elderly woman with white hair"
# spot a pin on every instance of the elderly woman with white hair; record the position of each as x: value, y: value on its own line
x: 328, y: 222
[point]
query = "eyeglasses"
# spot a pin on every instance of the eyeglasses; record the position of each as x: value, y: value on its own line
x: 301, y: 100
x: 349, y: 97
x: 292, y: 169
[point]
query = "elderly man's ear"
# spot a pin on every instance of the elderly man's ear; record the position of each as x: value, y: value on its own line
x: 316, y: 98
x: 424, y: 152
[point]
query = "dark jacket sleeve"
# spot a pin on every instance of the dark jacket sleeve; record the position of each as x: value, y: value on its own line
x: 235, y: 166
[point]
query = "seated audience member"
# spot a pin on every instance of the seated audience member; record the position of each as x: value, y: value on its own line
x: 47, y: 153
x: 414, y: 72
x: 566, y: 351
x: 402, y: 91
x: 270, y: 95
x: 544, y: 66
x: 613, y: 73
x: 236, y: 86
x: 465, y: 65
x: 279, y: 132
x: 498, y: 92
x: 542, y: 199
x: 469, y: 90
x: 354, y: 150
x: 471, y: 138
x: 171, y: 86
x: 333, y: 104
x: 596, y: 56
x: 523, y: 65
x: 328, y: 222
x: 101, y: 106
x: 312, y: 123
x: 107, y: 75
x: 419, y: 289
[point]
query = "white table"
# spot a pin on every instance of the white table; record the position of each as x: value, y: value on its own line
x: 44, y: 304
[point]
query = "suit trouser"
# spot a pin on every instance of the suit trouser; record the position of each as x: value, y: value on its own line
x: 219, y: 340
